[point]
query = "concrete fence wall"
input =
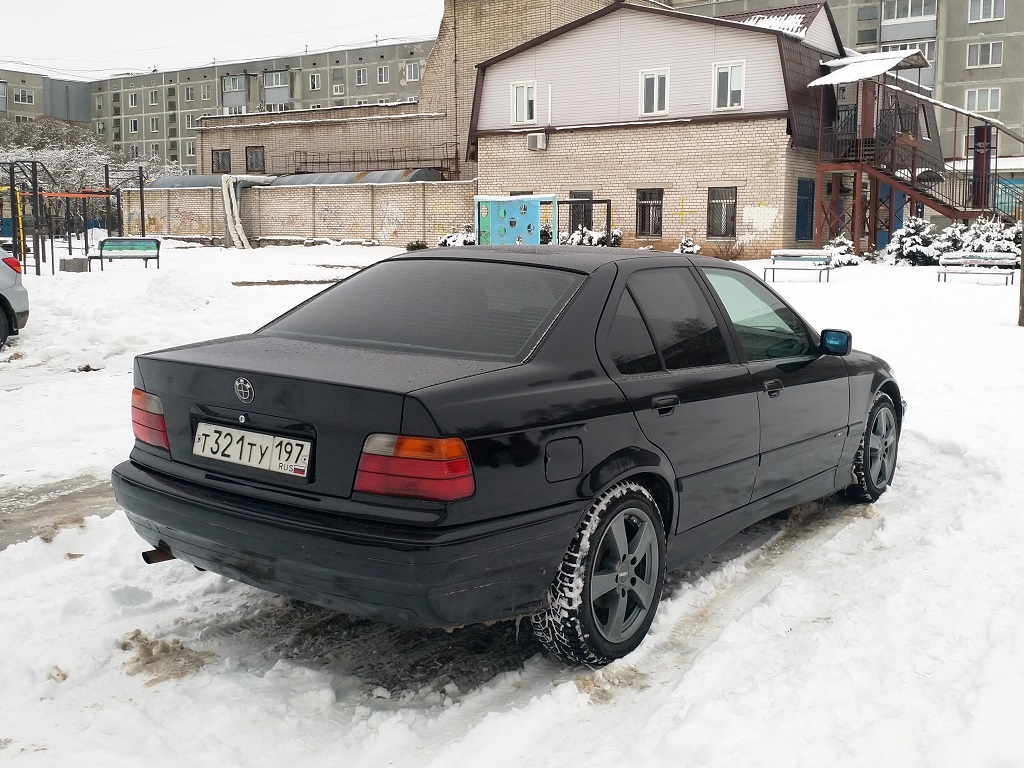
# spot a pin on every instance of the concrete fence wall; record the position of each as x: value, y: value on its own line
x: 394, y: 214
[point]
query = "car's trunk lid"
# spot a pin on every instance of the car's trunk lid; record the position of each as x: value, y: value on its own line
x: 298, y: 395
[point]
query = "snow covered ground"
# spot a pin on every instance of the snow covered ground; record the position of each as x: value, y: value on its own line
x: 890, y: 634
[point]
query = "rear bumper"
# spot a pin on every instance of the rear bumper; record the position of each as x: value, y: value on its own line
x: 21, y: 319
x: 431, y: 577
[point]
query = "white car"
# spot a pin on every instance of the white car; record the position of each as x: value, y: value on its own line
x: 13, y: 298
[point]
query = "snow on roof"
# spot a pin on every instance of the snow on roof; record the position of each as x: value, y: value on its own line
x: 855, y: 68
x: 794, y: 20
x: 907, y: 58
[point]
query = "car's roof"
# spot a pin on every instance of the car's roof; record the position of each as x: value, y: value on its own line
x: 579, y: 258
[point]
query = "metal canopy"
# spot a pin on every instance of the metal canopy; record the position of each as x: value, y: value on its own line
x: 852, y: 69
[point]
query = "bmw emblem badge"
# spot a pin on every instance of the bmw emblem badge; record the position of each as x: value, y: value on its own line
x: 244, y: 389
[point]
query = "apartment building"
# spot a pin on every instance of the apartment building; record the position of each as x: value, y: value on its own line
x: 27, y: 96
x: 970, y: 45
x: 155, y: 114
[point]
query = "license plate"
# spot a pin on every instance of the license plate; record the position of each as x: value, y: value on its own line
x: 252, y: 449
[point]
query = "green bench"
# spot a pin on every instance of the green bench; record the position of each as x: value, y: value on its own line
x: 111, y: 248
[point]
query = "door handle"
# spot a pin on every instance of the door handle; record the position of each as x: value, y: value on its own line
x: 664, y: 404
x: 773, y: 387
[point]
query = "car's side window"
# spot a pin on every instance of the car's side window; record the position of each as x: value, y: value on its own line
x: 629, y: 342
x: 679, y: 316
x: 767, y: 327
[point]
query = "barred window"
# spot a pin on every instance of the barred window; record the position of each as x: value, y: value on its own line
x: 722, y: 212
x: 648, y: 212
x: 255, y: 160
x: 221, y: 161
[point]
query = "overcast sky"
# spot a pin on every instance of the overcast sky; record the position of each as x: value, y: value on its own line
x: 93, y: 40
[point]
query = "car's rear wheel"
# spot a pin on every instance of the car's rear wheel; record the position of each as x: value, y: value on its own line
x: 608, y: 587
x: 875, y: 463
x: 5, y: 327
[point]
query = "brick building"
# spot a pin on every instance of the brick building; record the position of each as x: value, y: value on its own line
x: 691, y: 125
x: 429, y: 134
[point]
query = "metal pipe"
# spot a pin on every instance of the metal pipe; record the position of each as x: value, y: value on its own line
x: 156, y: 556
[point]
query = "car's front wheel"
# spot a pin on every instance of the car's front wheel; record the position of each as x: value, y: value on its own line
x: 875, y: 463
x: 608, y: 587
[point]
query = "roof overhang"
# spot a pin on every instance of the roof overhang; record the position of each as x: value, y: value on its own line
x: 852, y: 69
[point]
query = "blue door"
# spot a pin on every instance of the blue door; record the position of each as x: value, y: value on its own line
x: 805, y: 209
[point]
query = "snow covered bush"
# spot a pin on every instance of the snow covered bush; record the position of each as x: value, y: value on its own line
x: 415, y: 245
x: 842, y: 251
x: 952, y: 237
x: 992, y: 236
x: 686, y: 245
x: 914, y: 243
x: 584, y: 236
x: 466, y: 237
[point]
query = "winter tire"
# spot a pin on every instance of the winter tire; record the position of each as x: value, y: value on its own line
x: 5, y: 329
x: 608, y: 587
x: 875, y: 463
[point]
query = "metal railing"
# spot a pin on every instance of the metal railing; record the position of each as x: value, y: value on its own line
x: 442, y: 157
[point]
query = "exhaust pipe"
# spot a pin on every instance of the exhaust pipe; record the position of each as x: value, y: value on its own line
x: 157, y: 556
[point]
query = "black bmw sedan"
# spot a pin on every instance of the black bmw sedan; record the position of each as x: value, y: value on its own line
x: 475, y: 434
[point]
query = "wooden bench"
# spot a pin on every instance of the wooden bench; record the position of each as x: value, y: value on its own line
x: 972, y: 263
x: 819, y: 259
x: 111, y: 248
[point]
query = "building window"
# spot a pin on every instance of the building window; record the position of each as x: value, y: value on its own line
x: 232, y: 83
x: 190, y: 149
x: 190, y: 121
x: 383, y: 74
x: 927, y: 47
x: 314, y: 81
x: 133, y: 125
x: 361, y: 76
x: 985, y: 54
x: 983, y: 99
x: 275, y: 79
x: 524, y: 103
x: 867, y: 13
x: 922, y: 123
x: 207, y: 91
x: 154, y: 98
x: 101, y: 128
x: 362, y: 102
x: 235, y: 110
x: 154, y: 150
x: 648, y: 212
x: 338, y: 89
x: 283, y: 107
x: 729, y: 85
x: 190, y: 93
x: 867, y: 36
x: 382, y: 101
x: 154, y: 124
x: 654, y: 92
x: 412, y: 71
x: 221, y: 161
x: 894, y: 10
x: 133, y: 99
x: 99, y: 102
x: 24, y: 96
x: 581, y: 215
x: 314, y: 106
x: 135, y: 151
x: 722, y: 212
x: 986, y: 10
x: 255, y: 160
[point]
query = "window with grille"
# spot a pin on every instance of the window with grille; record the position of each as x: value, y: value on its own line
x: 581, y: 215
x: 221, y: 161
x: 255, y: 160
x: 722, y: 212
x: 648, y: 212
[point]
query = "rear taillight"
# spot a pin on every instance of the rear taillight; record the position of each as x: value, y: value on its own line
x: 433, y: 469
x: 148, y: 419
x: 13, y: 263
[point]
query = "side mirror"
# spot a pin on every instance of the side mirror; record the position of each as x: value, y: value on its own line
x: 836, y: 342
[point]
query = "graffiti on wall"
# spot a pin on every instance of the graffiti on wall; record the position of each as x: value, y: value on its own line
x: 392, y: 217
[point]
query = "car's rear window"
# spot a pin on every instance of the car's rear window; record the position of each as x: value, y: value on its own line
x: 474, y: 309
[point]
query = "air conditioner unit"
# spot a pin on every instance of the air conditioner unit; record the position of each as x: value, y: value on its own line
x: 536, y: 141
